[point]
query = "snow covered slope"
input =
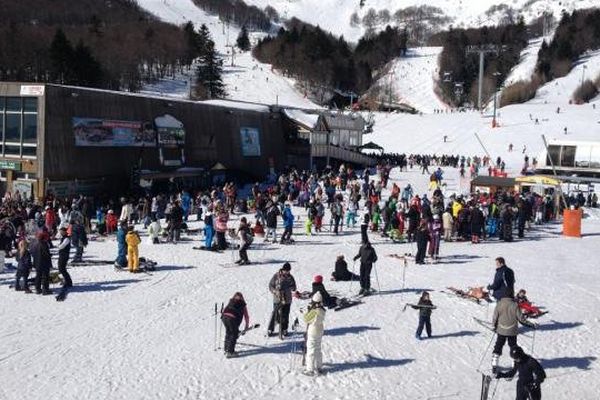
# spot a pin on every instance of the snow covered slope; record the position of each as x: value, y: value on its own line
x: 413, y: 79
x: 526, y: 66
x: 334, y: 15
x: 246, y: 80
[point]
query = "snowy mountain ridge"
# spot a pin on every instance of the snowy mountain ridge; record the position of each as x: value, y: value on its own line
x: 335, y: 15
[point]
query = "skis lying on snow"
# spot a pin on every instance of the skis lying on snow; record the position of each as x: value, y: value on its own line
x: 467, y: 295
x: 346, y: 303
x: 87, y: 263
x: 213, y: 249
x: 418, y: 306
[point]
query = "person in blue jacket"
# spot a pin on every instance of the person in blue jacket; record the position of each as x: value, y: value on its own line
x: 504, y: 280
x: 209, y: 230
x: 186, y: 204
x: 288, y: 224
x: 121, y: 261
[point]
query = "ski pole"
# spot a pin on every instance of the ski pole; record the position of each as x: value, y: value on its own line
x: 352, y: 278
x: 377, y: 278
x: 533, y: 341
x: 486, y: 350
x: 403, y: 279
x: 221, y: 328
x: 215, y: 330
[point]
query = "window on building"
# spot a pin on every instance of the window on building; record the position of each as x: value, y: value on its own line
x: 18, y: 126
x: 582, y: 156
x: 13, y: 104
x: 567, y: 156
x: 553, y: 155
x: 29, y: 128
x: 595, y: 157
x: 12, y: 132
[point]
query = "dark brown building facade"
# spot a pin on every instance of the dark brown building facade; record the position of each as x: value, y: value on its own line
x: 73, y: 140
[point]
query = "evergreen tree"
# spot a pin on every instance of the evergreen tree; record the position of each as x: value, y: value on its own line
x: 61, y: 56
x: 243, y: 41
x: 192, y: 42
x: 86, y: 70
x: 209, y: 82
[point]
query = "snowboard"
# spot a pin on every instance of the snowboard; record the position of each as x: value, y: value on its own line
x: 62, y: 294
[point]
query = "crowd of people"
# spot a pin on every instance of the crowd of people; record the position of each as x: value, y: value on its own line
x: 346, y: 198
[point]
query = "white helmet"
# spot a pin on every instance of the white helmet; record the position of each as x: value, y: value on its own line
x: 317, y: 298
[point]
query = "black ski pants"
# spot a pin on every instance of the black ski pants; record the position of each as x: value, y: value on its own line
x: 421, y: 251
x: 244, y: 252
x: 221, y: 243
x: 62, y: 269
x: 281, y: 315
x: 232, y: 332
x: 24, y: 275
x: 424, y: 322
x: 42, y: 279
x: 365, y: 275
x: 524, y: 393
x: 364, y: 237
x: 501, y: 340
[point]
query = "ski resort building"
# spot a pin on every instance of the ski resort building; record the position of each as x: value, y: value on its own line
x: 74, y: 140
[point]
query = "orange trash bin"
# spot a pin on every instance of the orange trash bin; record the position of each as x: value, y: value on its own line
x: 572, y: 222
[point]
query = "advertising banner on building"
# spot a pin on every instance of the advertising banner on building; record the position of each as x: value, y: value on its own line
x: 171, y: 132
x: 96, y: 132
x: 250, y: 138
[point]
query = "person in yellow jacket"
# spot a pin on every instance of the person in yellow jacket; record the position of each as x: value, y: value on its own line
x: 456, y: 207
x: 133, y: 257
x: 314, y: 333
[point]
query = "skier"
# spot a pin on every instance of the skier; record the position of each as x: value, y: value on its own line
x: 425, y: 307
x: 272, y: 213
x: 209, y: 230
x: 154, y: 231
x: 288, y: 224
x: 246, y: 238
x: 283, y: 287
x: 42, y: 262
x: 477, y: 224
x: 231, y: 317
x: 504, y: 280
x: 23, y: 267
x: 422, y: 237
x: 133, y: 257
x: 435, y: 232
x: 64, y: 248
x: 314, y: 319
x: 318, y: 287
x: 121, y: 261
x: 531, y: 375
x: 78, y: 239
x: 364, y: 225
x: 447, y: 223
x: 507, y: 316
x: 341, y: 272
x: 367, y: 257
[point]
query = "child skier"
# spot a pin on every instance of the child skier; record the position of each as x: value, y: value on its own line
x: 232, y: 316
x: 314, y: 334
x: 154, y: 231
x: 133, y: 241
x: 425, y: 307
x: 531, y: 375
x: 318, y: 287
x: 341, y: 272
x: 526, y: 306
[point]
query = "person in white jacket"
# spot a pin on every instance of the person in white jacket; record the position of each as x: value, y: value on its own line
x: 314, y: 318
x: 154, y: 231
x: 126, y: 210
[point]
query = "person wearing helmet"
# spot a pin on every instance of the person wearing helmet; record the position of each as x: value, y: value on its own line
x: 318, y: 287
x: 531, y: 375
x: 232, y: 316
x: 314, y: 319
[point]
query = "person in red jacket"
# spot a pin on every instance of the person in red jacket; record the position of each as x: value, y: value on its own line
x: 50, y: 220
x: 111, y: 222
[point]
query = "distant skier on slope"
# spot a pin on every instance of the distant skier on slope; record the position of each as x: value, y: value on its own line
x: 531, y: 375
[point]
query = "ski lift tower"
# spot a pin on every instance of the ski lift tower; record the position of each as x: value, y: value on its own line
x: 482, y: 50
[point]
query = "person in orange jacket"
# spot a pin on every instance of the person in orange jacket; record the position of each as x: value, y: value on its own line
x: 133, y: 257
